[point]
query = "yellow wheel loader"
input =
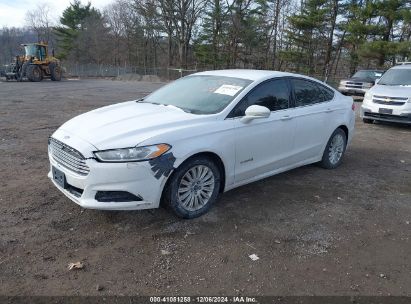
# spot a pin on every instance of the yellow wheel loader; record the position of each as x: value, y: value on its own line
x: 36, y: 64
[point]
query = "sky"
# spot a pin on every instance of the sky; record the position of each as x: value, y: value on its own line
x: 12, y: 12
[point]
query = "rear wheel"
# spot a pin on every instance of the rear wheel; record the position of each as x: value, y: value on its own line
x: 367, y: 121
x: 55, y: 72
x: 335, y: 149
x: 34, y: 73
x: 193, y: 187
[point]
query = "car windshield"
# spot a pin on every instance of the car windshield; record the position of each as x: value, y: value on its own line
x: 202, y: 94
x: 31, y: 50
x: 368, y: 74
x: 396, y: 77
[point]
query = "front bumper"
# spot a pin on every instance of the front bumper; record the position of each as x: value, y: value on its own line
x: 135, y: 178
x: 354, y: 91
x: 400, y: 114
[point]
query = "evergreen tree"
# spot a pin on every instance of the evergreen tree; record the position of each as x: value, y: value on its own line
x: 307, y: 35
x: 73, y: 22
x: 210, y: 43
x: 385, y: 44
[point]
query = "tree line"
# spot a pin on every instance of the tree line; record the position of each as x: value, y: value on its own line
x: 323, y: 38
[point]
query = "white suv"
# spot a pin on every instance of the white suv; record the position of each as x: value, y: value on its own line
x: 390, y: 98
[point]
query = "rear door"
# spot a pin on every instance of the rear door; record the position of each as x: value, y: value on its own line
x: 264, y: 145
x: 313, y: 108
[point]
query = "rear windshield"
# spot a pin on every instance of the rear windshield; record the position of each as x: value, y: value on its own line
x: 395, y: 77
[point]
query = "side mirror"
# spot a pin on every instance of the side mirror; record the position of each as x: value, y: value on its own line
x: 254, y: 112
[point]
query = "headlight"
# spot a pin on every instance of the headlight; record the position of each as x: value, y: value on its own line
x: 368, y: 85
x: 132, y: 154
x: 367, y: 97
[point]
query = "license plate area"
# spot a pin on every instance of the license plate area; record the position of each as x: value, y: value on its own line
x: 385, y: 111
x: 59, y: 177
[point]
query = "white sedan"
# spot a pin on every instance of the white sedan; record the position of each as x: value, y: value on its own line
x: 197, y: 137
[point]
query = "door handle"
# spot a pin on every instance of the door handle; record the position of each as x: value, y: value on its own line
x: 286, y: 117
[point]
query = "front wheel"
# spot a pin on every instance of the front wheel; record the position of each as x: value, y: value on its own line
x: 34, y: 73
x: 193, y: 188
x: 335, y: 149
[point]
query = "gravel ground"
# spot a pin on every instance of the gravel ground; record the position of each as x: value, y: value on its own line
x: 315, y: 231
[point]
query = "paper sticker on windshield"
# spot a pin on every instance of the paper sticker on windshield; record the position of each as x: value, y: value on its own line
x: 227, y: 89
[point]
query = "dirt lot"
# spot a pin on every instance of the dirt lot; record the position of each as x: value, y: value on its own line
x: 316, y: 231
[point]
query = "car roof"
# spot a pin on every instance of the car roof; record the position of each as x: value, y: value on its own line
x: 371, y: 71
x: 402, y: 67
x: 253, y: 75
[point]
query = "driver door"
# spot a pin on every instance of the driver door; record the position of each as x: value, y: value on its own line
x: 264, y: 145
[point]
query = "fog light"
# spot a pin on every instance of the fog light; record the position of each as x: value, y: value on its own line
x: 116, y: 196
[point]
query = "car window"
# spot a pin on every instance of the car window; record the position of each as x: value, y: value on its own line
x: 273, y: 94
x: 307, y: 92
x: 326, y: 92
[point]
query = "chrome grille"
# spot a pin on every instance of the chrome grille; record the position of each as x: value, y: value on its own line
x: 68, y: 157
x: 387, y: 100
x: 354, y: 85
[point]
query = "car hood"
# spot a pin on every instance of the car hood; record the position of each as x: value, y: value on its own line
x: 391, y: 91
x: 360, y: 79
x: 126, y: 124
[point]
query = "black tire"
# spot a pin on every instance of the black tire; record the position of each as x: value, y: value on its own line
x: 55, y: 71
x: 171, y: 195
x: 328, y: 161
x: 34, y: 73
x: 367, y: 120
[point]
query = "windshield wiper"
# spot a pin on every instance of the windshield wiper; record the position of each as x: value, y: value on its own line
x: 154, y: 103
x: 180, y: 108
x: 193, y: 111
x: 165, y: 104
x: 150, y: 102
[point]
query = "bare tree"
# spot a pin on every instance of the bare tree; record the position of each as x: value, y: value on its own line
x: 166, y: 15
x: 10, y: 40
x: 152, y: 30
x: 186, y: 14
x: 94, y: 43
x: 329, y: 46
x: 40, y: 21
x: 116, y: 16
x: 124, y: 22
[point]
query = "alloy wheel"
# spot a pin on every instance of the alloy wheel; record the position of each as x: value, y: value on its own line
x: 336, y: 149
x: 196, y: 187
